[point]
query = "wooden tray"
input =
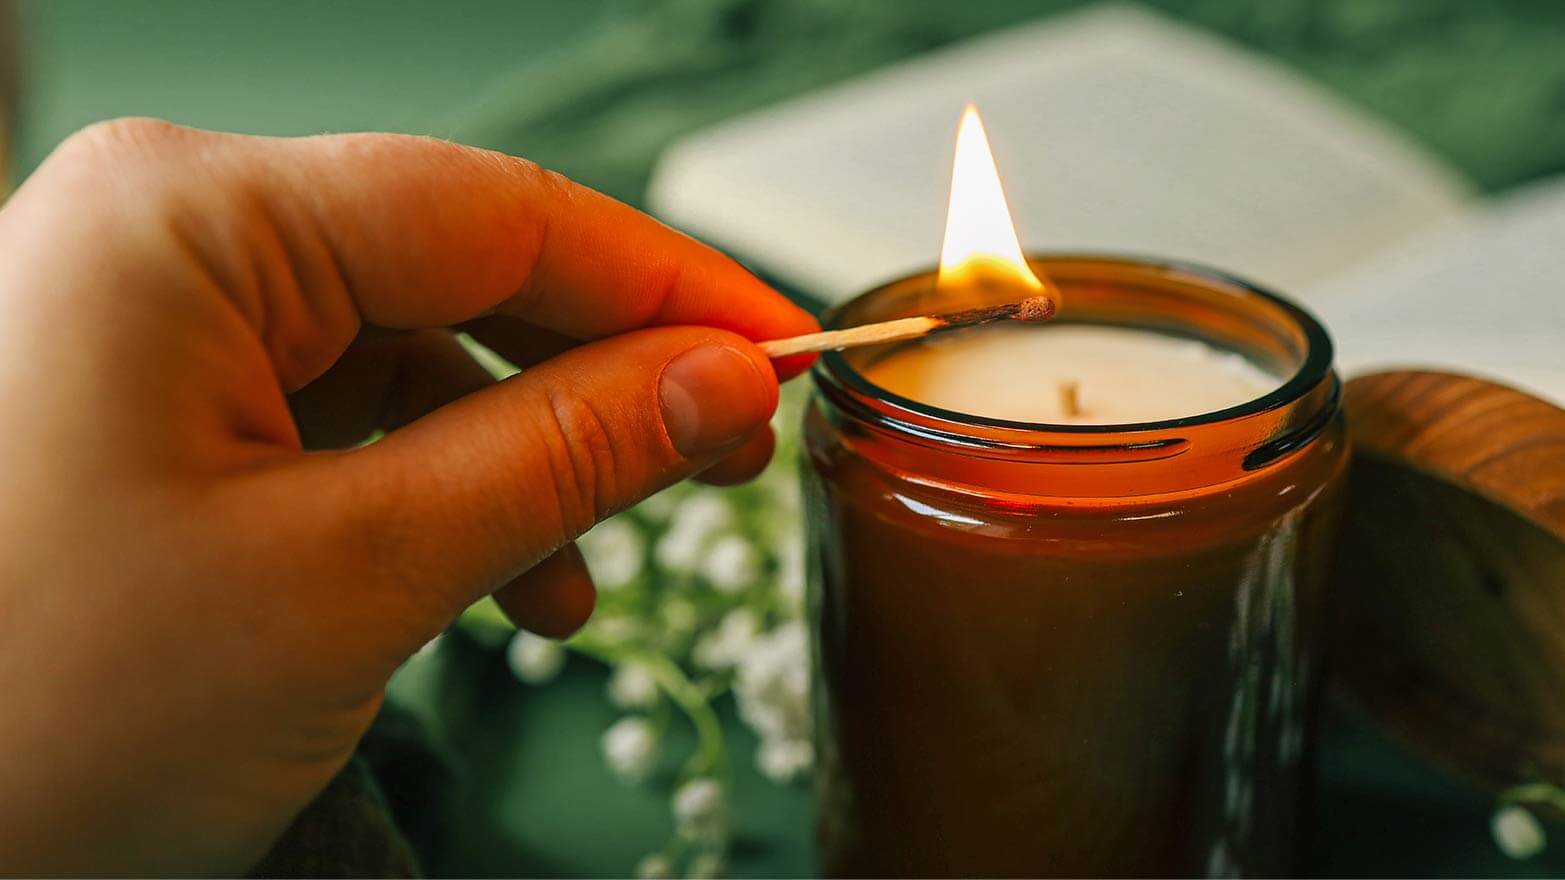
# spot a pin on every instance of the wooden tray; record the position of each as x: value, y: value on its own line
x: 1451, y: 588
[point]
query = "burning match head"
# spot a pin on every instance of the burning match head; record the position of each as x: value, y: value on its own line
x: 1034, y: 308
x: 1037, y: 308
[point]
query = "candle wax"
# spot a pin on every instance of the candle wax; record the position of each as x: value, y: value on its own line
x: 1120, y: 375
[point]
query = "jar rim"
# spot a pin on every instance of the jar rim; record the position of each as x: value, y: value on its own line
x: 1314, y: 367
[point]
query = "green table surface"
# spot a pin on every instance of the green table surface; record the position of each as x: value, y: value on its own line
x: 533, y: 797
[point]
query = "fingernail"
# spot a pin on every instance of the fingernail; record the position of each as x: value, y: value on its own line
x: 712, y: 397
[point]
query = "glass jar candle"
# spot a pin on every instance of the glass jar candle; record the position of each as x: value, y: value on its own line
x: 1071, y: 649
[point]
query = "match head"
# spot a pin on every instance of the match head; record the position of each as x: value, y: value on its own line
x: 1036, y: 308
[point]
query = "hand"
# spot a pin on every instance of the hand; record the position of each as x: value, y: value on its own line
x: 198, y: 616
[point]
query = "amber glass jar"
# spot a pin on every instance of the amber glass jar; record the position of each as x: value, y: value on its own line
x: 1071, y: 650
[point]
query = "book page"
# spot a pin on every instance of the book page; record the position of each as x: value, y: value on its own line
x: 1115, y: 130
x: 1484, y: 296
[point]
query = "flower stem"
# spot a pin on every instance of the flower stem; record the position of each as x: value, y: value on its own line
x: 1535, y: 793
x: 692, y: 699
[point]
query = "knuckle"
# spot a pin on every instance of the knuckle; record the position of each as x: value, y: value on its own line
x: 671, y: 274
x: 124, y: 161
x: 556, y: 186
x: 125, y: 136
x: 540, y: 180
x: 582, y: 462
x: 549, y: 195
x: 372, y: 147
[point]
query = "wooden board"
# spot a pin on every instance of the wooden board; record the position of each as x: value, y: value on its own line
x: 1451, y: 587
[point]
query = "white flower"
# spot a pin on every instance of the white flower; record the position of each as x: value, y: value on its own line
x: 707, y: 866
x: 773, y: 691
x: 615, y: 549
x: 632, y: 686
x: 704, y: 511
x: 679, y: 550
x: 723, y: 647
x: 773, y: 683
x: 628, y: 748
x: 731, y: 565
x: 699, y: 808
x: 1517, y: 833
x: 782, y: 760
x: 655, y: 867
x: 534, y: 659
x: 692, y: 525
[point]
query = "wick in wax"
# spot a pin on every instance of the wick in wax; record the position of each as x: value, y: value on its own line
x: 1070, y: 398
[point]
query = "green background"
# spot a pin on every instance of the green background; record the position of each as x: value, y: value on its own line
x: 284, y: 67
x: 595, y: 88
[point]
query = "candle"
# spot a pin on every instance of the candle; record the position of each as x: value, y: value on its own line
x: 1056, y: 644
x: 1071, y: 374
x: 1066, y: 578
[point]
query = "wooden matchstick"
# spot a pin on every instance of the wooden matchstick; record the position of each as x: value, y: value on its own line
x: 1037, y: 308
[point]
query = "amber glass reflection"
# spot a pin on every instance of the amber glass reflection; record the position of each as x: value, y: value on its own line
x: 1069, y: 650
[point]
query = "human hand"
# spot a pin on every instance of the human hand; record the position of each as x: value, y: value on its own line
x: 198, y: 616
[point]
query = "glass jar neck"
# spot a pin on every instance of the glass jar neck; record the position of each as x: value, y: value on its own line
x: 1197, y: 452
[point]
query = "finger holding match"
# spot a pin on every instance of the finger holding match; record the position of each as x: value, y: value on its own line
x: 1032, y: 309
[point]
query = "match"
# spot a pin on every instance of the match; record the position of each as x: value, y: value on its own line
x: 1037, y: 308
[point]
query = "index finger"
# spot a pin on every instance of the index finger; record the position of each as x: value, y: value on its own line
x: 429, y: 233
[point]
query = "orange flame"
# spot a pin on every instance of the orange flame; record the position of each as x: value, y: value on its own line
x: 980, y: 241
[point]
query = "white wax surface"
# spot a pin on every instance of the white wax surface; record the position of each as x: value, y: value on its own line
x: 1121, y: 375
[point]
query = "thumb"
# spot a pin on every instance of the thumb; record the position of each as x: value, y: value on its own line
x: 470, y: 496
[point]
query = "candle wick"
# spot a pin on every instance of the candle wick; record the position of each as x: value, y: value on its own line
x: 1070, y: 398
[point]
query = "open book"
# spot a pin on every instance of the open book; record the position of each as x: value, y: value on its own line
x: 1118, y: 130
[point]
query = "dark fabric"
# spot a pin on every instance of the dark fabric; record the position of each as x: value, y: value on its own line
x: 382, y: 816
x: 346, y: 831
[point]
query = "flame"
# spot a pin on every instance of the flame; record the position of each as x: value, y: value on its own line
x: 980, y: 242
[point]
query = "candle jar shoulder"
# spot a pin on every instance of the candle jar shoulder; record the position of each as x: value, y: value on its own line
x: 1014, y: 505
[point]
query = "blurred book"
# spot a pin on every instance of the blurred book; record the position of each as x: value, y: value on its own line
x: 1118, y: 130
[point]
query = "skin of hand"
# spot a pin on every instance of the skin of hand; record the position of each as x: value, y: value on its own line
x: 205, y: 582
